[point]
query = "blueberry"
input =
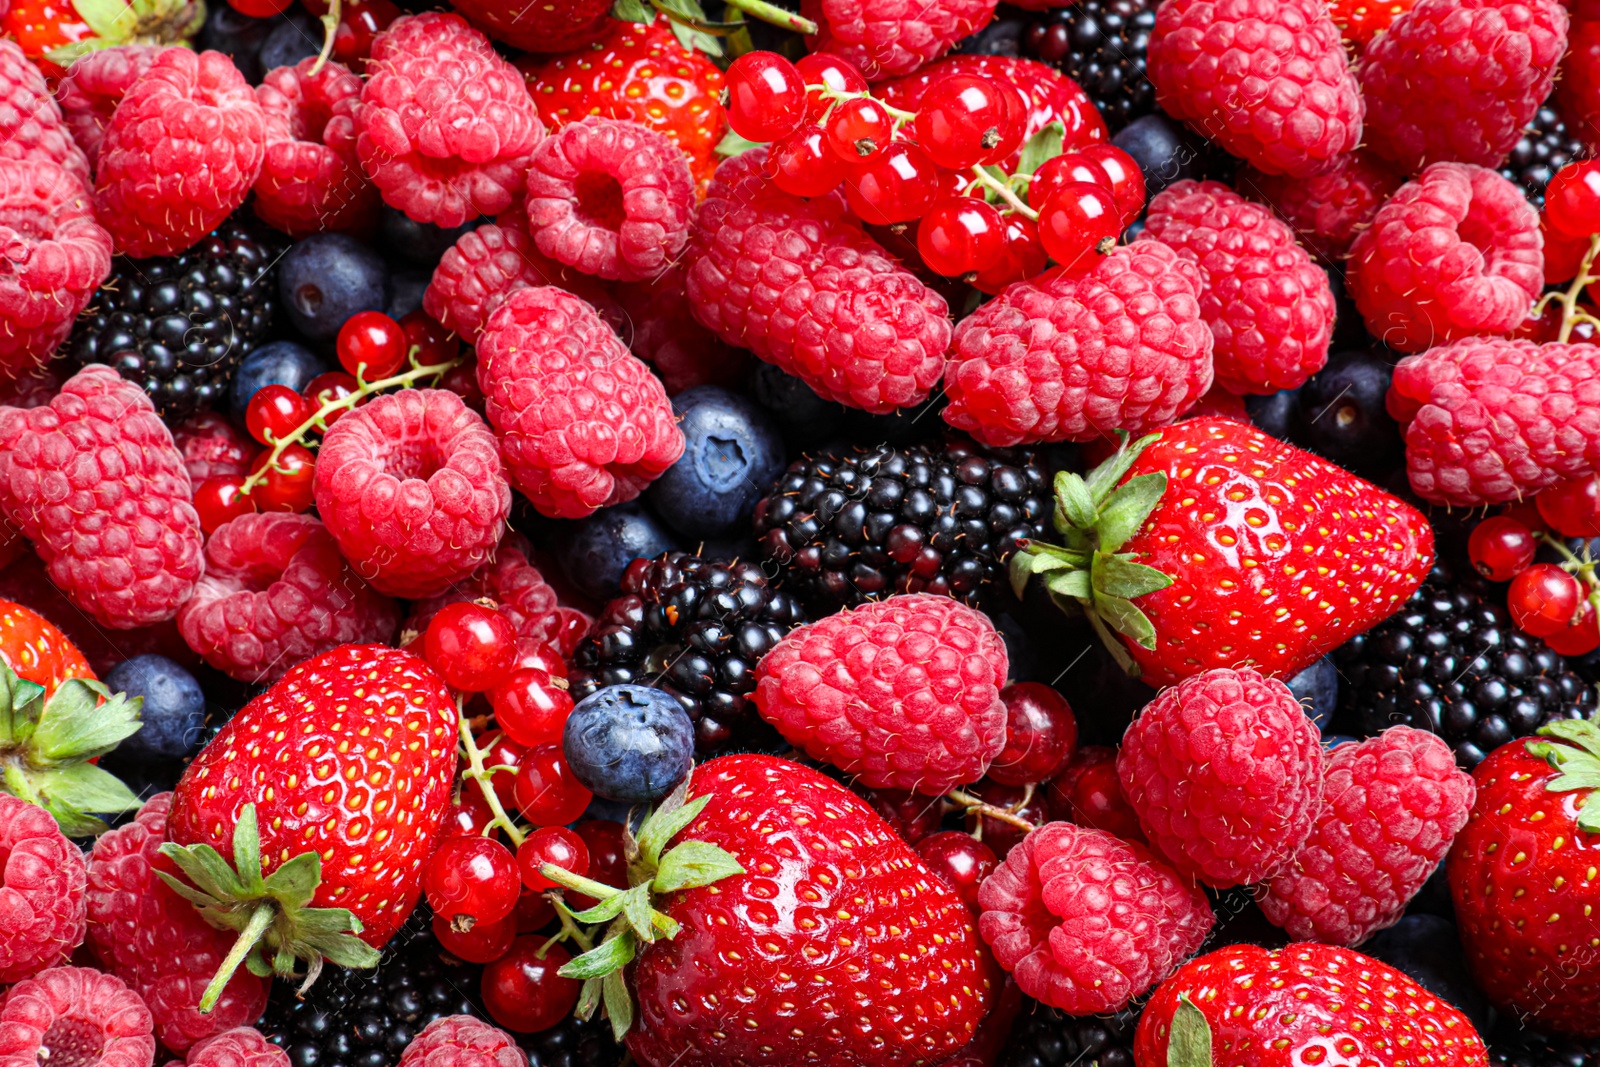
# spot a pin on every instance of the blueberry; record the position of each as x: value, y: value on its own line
x: 732, y: 455
x: 174, y: 707
x: 237, y: 36
x: 1164, y: 150
x: 328, y: 277
x: 276, y: 363
x: 419, y: 243
x: 1428, y: 948
x: 290, y: 41
x: 805, y: 418
x: 595, y: 551
x: 406, y: 297
x: 1317, y: 690
x: 629, y: 742
x: 1277, y: 413
x: 1342, y: 413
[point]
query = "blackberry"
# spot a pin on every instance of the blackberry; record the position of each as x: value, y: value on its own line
x: 1546, y: 146
x: 1101, y: 45
x: 1451, y: 661
x: 694, y: 628
x: 1044, y: 1037
x: 573, y: 1043
x: 856, y: 525
x: 178, y: 326
x: 1512, y: 1046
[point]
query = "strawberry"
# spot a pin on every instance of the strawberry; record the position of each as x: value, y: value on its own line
x: 1362, y: 20
x: 36, y: 650
x: 328, y: 791
x: 53, y: 33
x: 1210, y: 544
x: 1524, y: 877
x: 539, y: 27
x: 1302, y: 1004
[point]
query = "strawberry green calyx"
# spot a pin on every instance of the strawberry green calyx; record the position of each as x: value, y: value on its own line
x: 1190, y: 1042
x: 116, y: 22
x: 1088, y: 572
x: 46, y: 745
x: 1575, y: 752
x: 272, y: 915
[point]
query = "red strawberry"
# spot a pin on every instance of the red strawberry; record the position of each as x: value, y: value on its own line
x: 1524, y: 877
x: 31, y: 645
x: 53, y: 33
x: 1362, y: 20
x: 539, y: 27
x: 1210, y: 544
x: 332, y: 784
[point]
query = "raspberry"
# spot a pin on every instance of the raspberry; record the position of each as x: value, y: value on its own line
x: 887, y: 38
x: 1327, y: 210
x: 213, y: 447
x: 75, y: 1017
x: 56, y: 256
x: 95, y: 482
x: 33, y: 388
x: 1394, y: 804
x: 462, y: 1041
x: 902, y: 693
x: 1457, y: 81
x: 519, y: 592
x: 243, y: 1046
x: 486, y: 265
x: 31, y: 126
x: 156, y: 941
x: 1269, y: 307
x: 412, y: 488
x: 1455, y: 252
x: 310, y: 178
x: 1085, y: 922
x: 42, y: 880
x: 1492, y: 420
x: 1225, y: 773
x: 610, y: 197
x: 803, y: 287
x: 1267, y: 80
x: 1072, y: 358
x: 181, y: 152
x: 276, y: 592
x: 582, y: 423
x: 93, y: 87
x: 445, y: 125
x: 665, y: 335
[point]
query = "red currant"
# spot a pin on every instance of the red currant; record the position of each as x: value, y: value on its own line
x: 1501, y: 548
x: 530, y: 707
x: 1023, y: 258
x: 360, y: 22
x: 912, y: 815
x: 546, y: 792
x: 948, y: 183
x: 1572, y: 200
x: 834, y: 72
x: 533, y: 913
x: 1527, y: 513
x: 961, y: 235
x: 539, y: 656
x: 471, y: 646
x: 473, y: 877
x: 1582, y: 637
x: 274, y: 412
x: 1572, y: 507
x: 1061, y: 170
x: 287, y: 486
x: 1122, y: 177
x: 469, y: 816
x: 1079, y: 223
x: 484, y: 943
x: 608, y: 857
x: 766, y: 96
x: 802, y: 163
x: 1563, y: 256
x: 218, y: 500
x: 427, y: 340
x: 555, y: 845
x: 858, y: 129
x: 962, y: 120
x: 259, y: 9
x: 523, y: 990
x: 1543, y: 599
x: 1041, y: 735
x: 334, y: 385
x: 1002, y: 836
x: 960, y: 860
x: 893, y: 186
x: 462, y: 380
x: 1089, y: 793
x: 371, y: 345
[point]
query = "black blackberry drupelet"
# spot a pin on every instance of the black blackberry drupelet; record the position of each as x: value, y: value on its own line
x: 694, y: 628
x: 1044, y: 1037
x: 1451, y: 661
x: 1102, y: 45
x: 1511, y: 1046
x: 178, y: 326
x: 573, y: 1043
x: 843, y: 528
x: 1546, y: 146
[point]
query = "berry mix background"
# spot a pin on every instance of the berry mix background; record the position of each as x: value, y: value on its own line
x: 851, y: 533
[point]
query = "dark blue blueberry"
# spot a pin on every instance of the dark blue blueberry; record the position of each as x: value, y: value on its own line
x: 174, y: 708
x: 1276, y: 413
x: 1164, y: 150
x: 277, y: 363
x: 805, y: 418
x: 328, y: 277
x: 418, y: 243
x: 1317, y: 690
x: 1428, y: 948
x: 291, y: 40
x: 406, y: 292
x: 732, y: 455
x: 1342, y: 413
x: 237, y: 36
x: 629, y: 742
x: 594, y: 552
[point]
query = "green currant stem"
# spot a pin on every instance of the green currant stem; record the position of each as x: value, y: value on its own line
x: 777, y: 16
x: 1581, y: 567
x: 1570, y: 315
x: 1003, y: 191
x: 976, y: 806
x: 478, y: 773
x: 569, y: 928
x: 330, y: 28
x: 578, y: 883
x: 837, y: 96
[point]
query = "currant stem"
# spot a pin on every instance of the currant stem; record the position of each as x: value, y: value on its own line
x: 569, y: 928
x: 976, y: 806
x: 577, y: 882
x: 1003, y: 191
x: 777, y: 16
x: 330, y: 29
x: 478, y: 773
x: 1570, y: 315
x: 260, y: 919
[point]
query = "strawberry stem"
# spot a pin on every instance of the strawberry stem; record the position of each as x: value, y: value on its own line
x: 259, y: 921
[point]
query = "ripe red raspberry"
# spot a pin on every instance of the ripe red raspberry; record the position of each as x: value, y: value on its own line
x: 412, y: 488
x: 1489, y: 420
x: 95, y: 482
x: 154, y: 940
x: 87, y: 1019
x: 33, y: 388
x: 609, y: 197
x: 42, y: 881
x: 1269, y: 307
x: 1225, y: 773
x: 665, y: 335
x: 1455, y: 252
x: 582, y: 423
x: 1085, y: 922
x: 902, y: 693
x: 277, y: 591
x: 213, y: 447
x: 479, y: 271
x: 803, y: 287
x: 243, y: 1046
x: 519, y: 592
x: 310, y: 178
x: 56, y: 256
x: 1327, y: 210
x: 445, y: 125
x: 1395, y: 802
x: 93, y: 87
x: 31, y: 126
x: 1072, y: 358
x: 1268, y: 80
x: 181, y: 152
x: 1457, y: 81
x: 462, y: 1041
x: 887, y: 38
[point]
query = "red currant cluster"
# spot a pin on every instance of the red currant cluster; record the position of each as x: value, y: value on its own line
x: 1570, y: 223
x: 940, y: 164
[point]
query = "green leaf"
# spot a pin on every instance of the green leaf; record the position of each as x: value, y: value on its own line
x: 666, y: 823
x: 632, y: 11
x: 185, y: 890
x: 295, y: 882
x: 638, y: 914
x: 205, y: 868
x: 76, y: 726
x: 348, y: 950
x: 692, y: 864
x: 1190, y: 1043
x: 604, y: 911
x: 1046, y: 144
x: 1126, y: 509
x: 734, y: 145
x: 588, y: 999
x: 1585, y: 733
x: 110, y: 19
x: 247, y: 850
x: 1126, y: 619
x: 611, y: 955
x: 73, y: 822
x: 1074, y: 584
x: 1116, y: 576
x: 1073, y: 501
x: 1020, y: 569
x: 1105, y: 477
x: 1589, y: 814
x: 84, y: 789
x: 696, y: 40
x: 619, y: 1006
x: 1118, y: 651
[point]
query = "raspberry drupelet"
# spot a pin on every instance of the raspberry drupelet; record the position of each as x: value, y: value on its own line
x: 93, y: 87
x: 31, y: 122
x: 887, y: 38
x: 310, y: 178
x: 42, y: 881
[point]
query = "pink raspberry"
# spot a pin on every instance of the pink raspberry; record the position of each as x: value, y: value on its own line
x: 1269, y: 307
x: 1395, y: 802
x: 56, y: 256
x: 42, y: 882
x: 95, y: 84
x: 445, y: 126
x: 1457, y: 81
x: 213, y: 447
x: 310, y: 179
x: 486, y: 265
x: 462, y: 1041
x: 1225, y: 773
x: 243, y: 1046
x: 1455, y: 252
x: 902, y: 693
x: 887, y: 38
x: 1268, y: 80
x: 75, y: 1016
x: 1085, y: 922
x: 33, y: 388
x: 663, y: 332
x: 1489, y: 420
x: 276, y: 592
x: 610, y: 197
x: 31, y: 126
x: 96, y: 483
x: 1327, y: 210
x: 582, y: 423
x: 412, y: 488
x: 154, y: 940
x: 803, y: 287
x: 1073, y: 358
x: 519, y: 592
x: 181, y: 152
